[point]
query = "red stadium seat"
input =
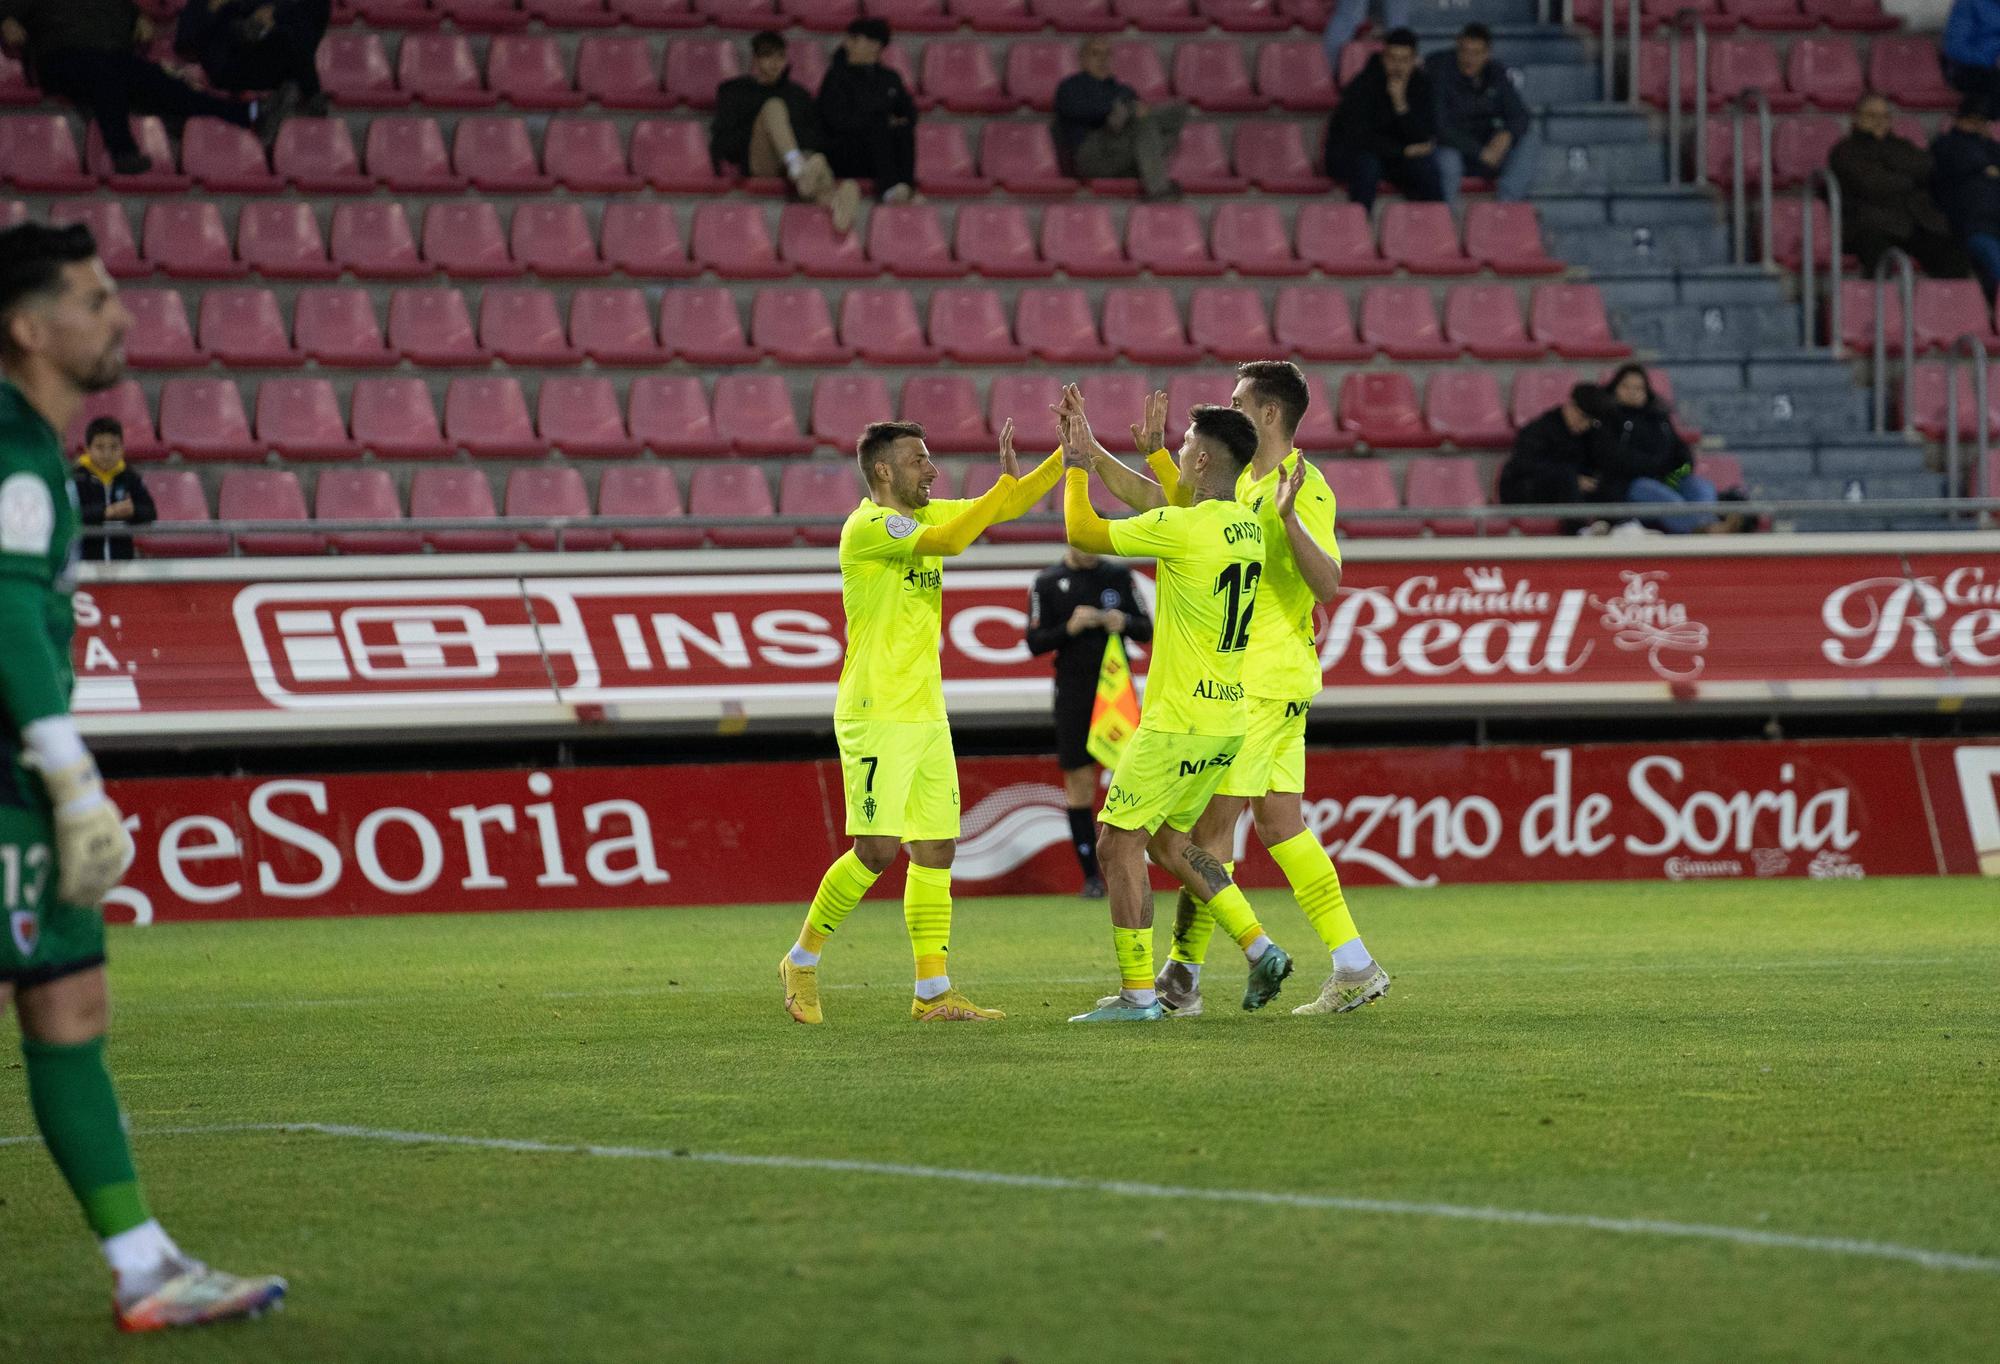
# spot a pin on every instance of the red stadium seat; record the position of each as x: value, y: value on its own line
x: 1927, y: 401
x: 671, y: 155
x: 1201, y: 162
x: 15, y: 88
x: 431, y: 326
x: 457, y: 492
x: 204, y: 419
x: 1737, y: 65
x: 529, y: 71
x: 226, y: 159
x: 1035, y: 66
x: 795, y: 326
x: 1273, y: 156
x: 1312, y: 322
x: 670, y: 415
x: 178, y: 499
x: 807, y: 241
x: 808, y: 61
x: 959, y: 74
x: 355, y: 72
x: 701, y: 325
x: 1116, y: 399
x: 1854, y: 16
x: 996, y: 241
x: 645, y: 490
x: 1442, y: 481
x: 1144, y: 325
x: 643, y: 239
x: 733, y: 240
x: 1947, y: 309
x: 396, y: 419
x: 522, y: 327
x: 1825, y: 71
x: 1653, y: 61
x: 1229, y: 324
x: 694, y: 67
x: 1380, y: 408
x: 151, y: 135
x: 317, y: 155
x: 1364, y: 485
x: 818, y: 489
x: 406, y: 152
x: 1539, y: 389
x: 1137, y: 63
x: 914, y: 16
x: 554, y: 490
x: 496, y: 154
x: 1022, y: 158
x: 1768, y: 16
x: 1725, y: 471
x: 188, y: 240
x: 944, y: 161
x: 996, y: 16
x: 1162, y: 16
x: 881, y: 326
x: 1251, y: 239
x: 1026, y: 400
x: 1338, y: 239
x: 1401, y: 320
x: 1294, y: 75
x: 1462, y: 404
x: 1906, y: 70
x: 465, y: 240
x: 483, y: 16
x: 1788, y: 233
x: 1486, y: 320
x: 948, y: 407
x: 105, y: 217
x: 301, y: 419
x: 338, y: 327
x: 1167, y: 239
x: 659, y: 13
x: 243, y: 327
x: 908, y: 241
x: 1082, y: 239
x: 619, y: 73
x: 1799, y: 147
x: 1247, y: 16
x: 1507, y: 239
x: 844, y: 403
x: 552, y: 239
x: 587, y: 155
x: 1043, y: 522
x: 1080, y: 16
x: 614, y: 327
x: 1057, y: 325
x: 42, y: 155
x: 754, y: 413
x: 363, y: 493
x: 488, y: 418
x: 1423, y: 239
x: 1210, y: 74
x: 747, y: 15
x: 281, y: 239
x: 737, y: 490
x: 1571, y: 318
x: 126, y: 401
x: 970, y: 326
x: 160, y: 337
x: 1190, y: 390
x: 440, y: 70
x: 267, y: 495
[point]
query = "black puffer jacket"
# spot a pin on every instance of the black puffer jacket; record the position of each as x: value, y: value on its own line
x: 740, y: 99
x: 854, y: 101
x: 1643, y: 444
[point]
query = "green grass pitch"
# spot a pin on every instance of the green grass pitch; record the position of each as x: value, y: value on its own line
x: 1814, y: 1060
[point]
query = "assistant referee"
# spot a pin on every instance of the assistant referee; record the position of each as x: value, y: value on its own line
x: 1076, y: 605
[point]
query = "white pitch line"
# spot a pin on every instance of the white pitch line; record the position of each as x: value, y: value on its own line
x: 1457, y: 1212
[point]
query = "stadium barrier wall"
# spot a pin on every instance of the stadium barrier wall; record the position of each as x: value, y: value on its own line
x: 401, y: 842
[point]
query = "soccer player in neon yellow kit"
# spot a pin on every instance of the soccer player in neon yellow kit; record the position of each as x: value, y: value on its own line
x: 896, y: 759
x: 1192, y: 723
x: 1281, y: 676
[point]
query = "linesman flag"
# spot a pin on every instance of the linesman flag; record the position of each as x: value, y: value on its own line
x: 1115, y: 715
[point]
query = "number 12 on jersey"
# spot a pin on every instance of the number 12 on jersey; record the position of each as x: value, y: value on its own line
x: 1240, y: 582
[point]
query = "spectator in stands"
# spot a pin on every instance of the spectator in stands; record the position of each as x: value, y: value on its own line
x: 108, y: 490
x: 258, y: 45
x: 1105, y: 131
x: 869, y: 116
x: 1554, y: 454
x: 1482, y: 126
x: 1385, y: 126
x: 1645, y: 459
x: 766, y: 125
x: 1885, y: 195
x: 1345, y: 22
x: 1965, y: 181
x: 1970, y: 52
x: 87, y: 51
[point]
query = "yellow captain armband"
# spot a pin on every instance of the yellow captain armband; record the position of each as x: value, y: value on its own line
x: 956, y: 535
x: 1083, y: 527
x: 1169, y: 476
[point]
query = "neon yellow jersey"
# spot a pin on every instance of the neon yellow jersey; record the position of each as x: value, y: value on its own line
x: 1283, y: 662
x: 1211, y: 555
x: 894, y: 600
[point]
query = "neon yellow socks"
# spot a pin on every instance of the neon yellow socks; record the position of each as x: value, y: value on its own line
x: 76, y: 1110
x: 927, y: 913
x: 840, y: 890
x: 1194, y: 925
x: 1239, y: 921
x: 1316, y: 886
x: 1134, y: 947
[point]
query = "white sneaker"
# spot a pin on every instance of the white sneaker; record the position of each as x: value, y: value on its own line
x: 1346, y: 991
x: 1180, y: 994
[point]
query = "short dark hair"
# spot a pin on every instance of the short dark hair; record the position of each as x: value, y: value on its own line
x: 869, y: 26
x: 1478, y: 32
x: 103, y: 426
x: 1227, y: 427
x: 876, y: 438
x: 32, y: 257
x: 1280, y: 382
x: 765, y: 43
x: 1401, y: 37
x: 1593, y: 401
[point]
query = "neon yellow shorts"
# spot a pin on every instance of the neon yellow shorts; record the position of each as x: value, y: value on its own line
x: 1274, y: 750
x: 1166, y: 778
x: 901, y: 779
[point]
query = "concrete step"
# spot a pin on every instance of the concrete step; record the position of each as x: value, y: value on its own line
x: 1780, y: 417
x: 1600, y: 124
x: 1637, y: 247
x: 1455, y: 14
x: 1873, y: 463
x: 1764, y: 469
x: 1713, y: 330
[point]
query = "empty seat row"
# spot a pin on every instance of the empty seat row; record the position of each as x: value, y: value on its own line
x: 468, y: 238
x: 1776, y: 16
x: 1942, y: 311
x: 1824, y: 72
x: 1927, y: 400
x: 1799, y: 146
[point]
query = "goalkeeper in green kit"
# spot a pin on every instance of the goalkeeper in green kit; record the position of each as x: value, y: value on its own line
x: 63, y: 844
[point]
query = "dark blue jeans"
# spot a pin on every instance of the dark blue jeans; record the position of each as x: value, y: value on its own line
x: 1365, y: 171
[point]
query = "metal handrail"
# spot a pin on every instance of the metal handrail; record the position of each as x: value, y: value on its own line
x: 1682, y: 19
x: 1971, y: 346
x: 1631, y: 51
x: 1899, y: 258
x: 1806, y: 267
x: 1608, y: 50
x: 1739, y: 200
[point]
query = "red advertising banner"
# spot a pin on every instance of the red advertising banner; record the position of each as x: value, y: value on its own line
x: 387, y: 843
x: 1560, y: 631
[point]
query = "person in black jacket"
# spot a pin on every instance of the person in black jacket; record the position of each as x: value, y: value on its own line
x: 766, y: 125
x: 1965, y: 181
x: 1104, y: 131
x: 108, y: 490
x: 1555, y: 453
x: 869, y: 116
x: 1385, y: 126
x: 1077, y: 604
x: 258, y: 45
x: 1646, y: 460
x: 1482, y: 126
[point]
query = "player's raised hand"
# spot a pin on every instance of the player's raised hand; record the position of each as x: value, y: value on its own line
x: 1288, y: 488
x: 1008, y: 465
x: 1151, y: 432
x: 1076, y: 443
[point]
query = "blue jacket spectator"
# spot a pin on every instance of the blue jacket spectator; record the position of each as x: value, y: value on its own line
x: 1483, y: 127
x: 1970, y: 52
x: 1965, y: 180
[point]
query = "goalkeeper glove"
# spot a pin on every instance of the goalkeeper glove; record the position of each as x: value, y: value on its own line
x: 92, y: 848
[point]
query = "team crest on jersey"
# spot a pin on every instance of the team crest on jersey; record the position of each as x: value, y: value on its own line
x: 868, y: 808
x: 899, y: 527
x: 1108, y: 599
x: 27, y: 929
x: 27, y: 515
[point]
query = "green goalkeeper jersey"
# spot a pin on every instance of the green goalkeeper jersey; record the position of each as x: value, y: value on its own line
x: 38, y: 547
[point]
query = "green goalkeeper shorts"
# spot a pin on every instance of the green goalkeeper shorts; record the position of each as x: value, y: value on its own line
x: 44, y: 939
